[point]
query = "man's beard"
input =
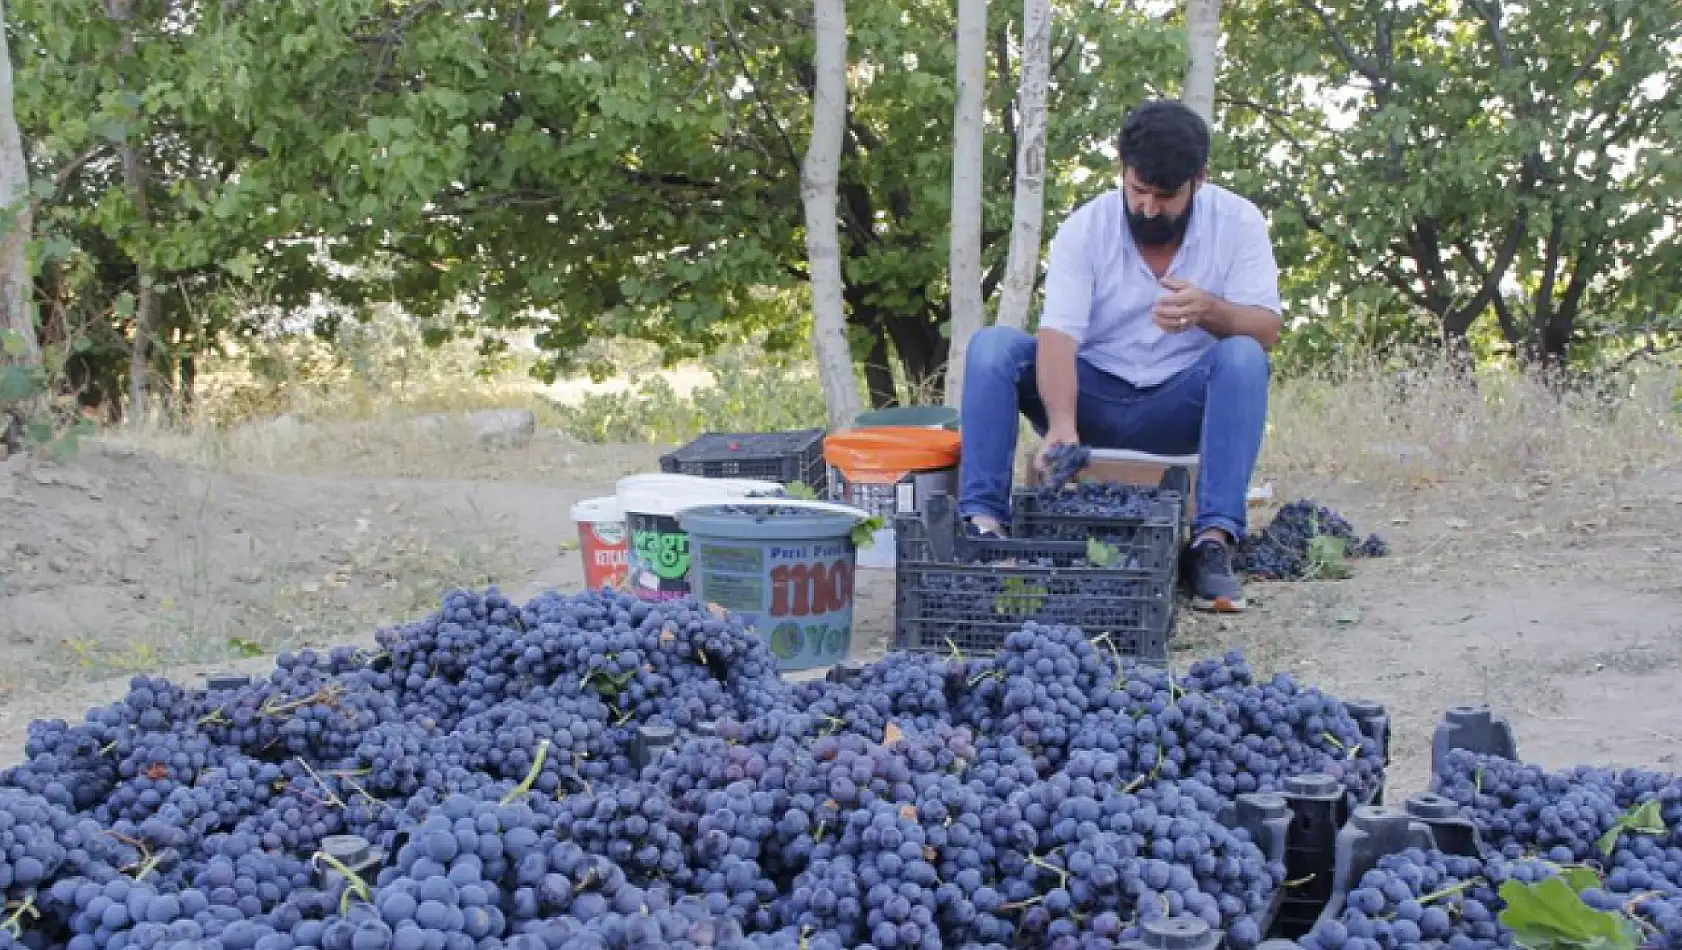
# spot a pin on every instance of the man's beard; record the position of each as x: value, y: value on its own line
x: 1162, y: 229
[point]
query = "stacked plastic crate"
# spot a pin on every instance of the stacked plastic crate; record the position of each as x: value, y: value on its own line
x: 1113, y: 577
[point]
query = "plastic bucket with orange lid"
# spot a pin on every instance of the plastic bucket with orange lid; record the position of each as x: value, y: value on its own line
x: 889, y: 470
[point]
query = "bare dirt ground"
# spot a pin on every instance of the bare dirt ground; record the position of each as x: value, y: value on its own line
x: 1551, y: 602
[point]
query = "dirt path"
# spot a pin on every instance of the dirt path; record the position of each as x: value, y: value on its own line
x: 1553, y: 610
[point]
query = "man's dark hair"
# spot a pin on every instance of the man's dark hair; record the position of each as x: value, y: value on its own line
x: 1164, y: 142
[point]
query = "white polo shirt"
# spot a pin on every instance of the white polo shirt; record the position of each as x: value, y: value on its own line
x: 1099, y: 290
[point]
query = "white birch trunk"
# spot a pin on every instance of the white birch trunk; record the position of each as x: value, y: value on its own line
x: 15, y: 226
x: 1028, y: 213
x: 145, y: 312
x: 1203, y: 37
x: 819, y: 174
x: 968, y: 307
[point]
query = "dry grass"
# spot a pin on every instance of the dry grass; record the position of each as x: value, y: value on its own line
x: 1373, y: 424
x: 1428, y: 423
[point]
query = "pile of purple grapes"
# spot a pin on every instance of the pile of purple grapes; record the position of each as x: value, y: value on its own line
x: 590, y: 771
x: 1596, y: 848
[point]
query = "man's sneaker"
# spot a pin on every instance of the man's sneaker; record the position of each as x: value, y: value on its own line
x: 984, y: 532
x: 1214, y: 586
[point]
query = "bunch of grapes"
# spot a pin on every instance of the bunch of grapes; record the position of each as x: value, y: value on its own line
x: 1521, y: 808
x: 1281, y: 550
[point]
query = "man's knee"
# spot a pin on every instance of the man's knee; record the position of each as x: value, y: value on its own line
x: 1243, y: 356
x: 998, y: 348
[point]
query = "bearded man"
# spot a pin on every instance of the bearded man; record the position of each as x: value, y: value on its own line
x: 1161, y: 302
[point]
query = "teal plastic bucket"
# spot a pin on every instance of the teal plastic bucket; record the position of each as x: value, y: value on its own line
x: 786, y: 570
x: 913, y: 417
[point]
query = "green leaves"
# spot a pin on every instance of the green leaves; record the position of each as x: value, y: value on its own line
x: 1101, y: 554
x: 864, y: 533
x: 1326, y: 558
x: 1550, y: 915
x: 17, y: 383
x: 1020, y: 597
x: 1644, y: 819
x: 1463, y: 173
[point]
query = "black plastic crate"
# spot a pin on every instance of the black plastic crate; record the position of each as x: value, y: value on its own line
x: 781, y: 457
x: 1374, y: 723
x: 1371, y: 833
x: 971, y: 594
x: 1474, y: 728
x: 1162, y: 528
x: 1319, y: 808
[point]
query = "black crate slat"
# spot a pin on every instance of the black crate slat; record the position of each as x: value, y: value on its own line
x: 1162, y: 528
x: 781, y: 457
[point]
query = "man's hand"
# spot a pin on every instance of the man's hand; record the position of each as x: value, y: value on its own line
x: 1053, y: 438
x: 1186, y: 305
x: 1183, y: 307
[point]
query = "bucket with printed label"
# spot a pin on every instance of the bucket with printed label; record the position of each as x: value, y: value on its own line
x: 656, y: 546
x: 786, y: 568
x: 601, y: 541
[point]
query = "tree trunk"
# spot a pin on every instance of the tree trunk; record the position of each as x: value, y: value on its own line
x: 14, y: 207
x: 146, y: 306
x: 818, y: 179
x: 968, y: 306
x: 1203, y: 37
x: 878, y: 371
x: 187, y: 382
x: 1022, y: 264
x: 922, y: 352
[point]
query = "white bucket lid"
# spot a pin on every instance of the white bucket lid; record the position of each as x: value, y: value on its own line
x: 605, y: 508
x: 662, y: 494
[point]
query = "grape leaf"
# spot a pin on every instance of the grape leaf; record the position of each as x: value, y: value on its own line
x: 1580, y: 878
x: 1020, y: 597
x: 243, y: 647
x: 864, y: 533
x: 1644, y: 819
x: 1549, y: 915
x: 1326, y: 558
x: 1099, y: 553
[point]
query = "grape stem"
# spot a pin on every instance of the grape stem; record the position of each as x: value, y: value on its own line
x: 531, y: 774
x: 326, y: 696
x: 1451, y: 890
x: 151, y: 864
x: 13, y: 923
x: 1062, y: 875
x: 332, y: 798
x: 354, y: 882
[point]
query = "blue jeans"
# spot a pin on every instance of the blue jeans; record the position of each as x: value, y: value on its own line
x: 1216, y: 408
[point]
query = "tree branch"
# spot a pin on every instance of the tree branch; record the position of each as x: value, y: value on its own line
x: 63, y: 177
x: 790, y: 152
x: 1396, y: 278
x: 1550, y: 268
x: 1356, y: 61
x: 1057, y: 64
x: 1649, y: 350
x: 1461, y: 318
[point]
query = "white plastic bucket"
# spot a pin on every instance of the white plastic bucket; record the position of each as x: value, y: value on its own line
x: 657, y: 547
x: 601, y: 541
